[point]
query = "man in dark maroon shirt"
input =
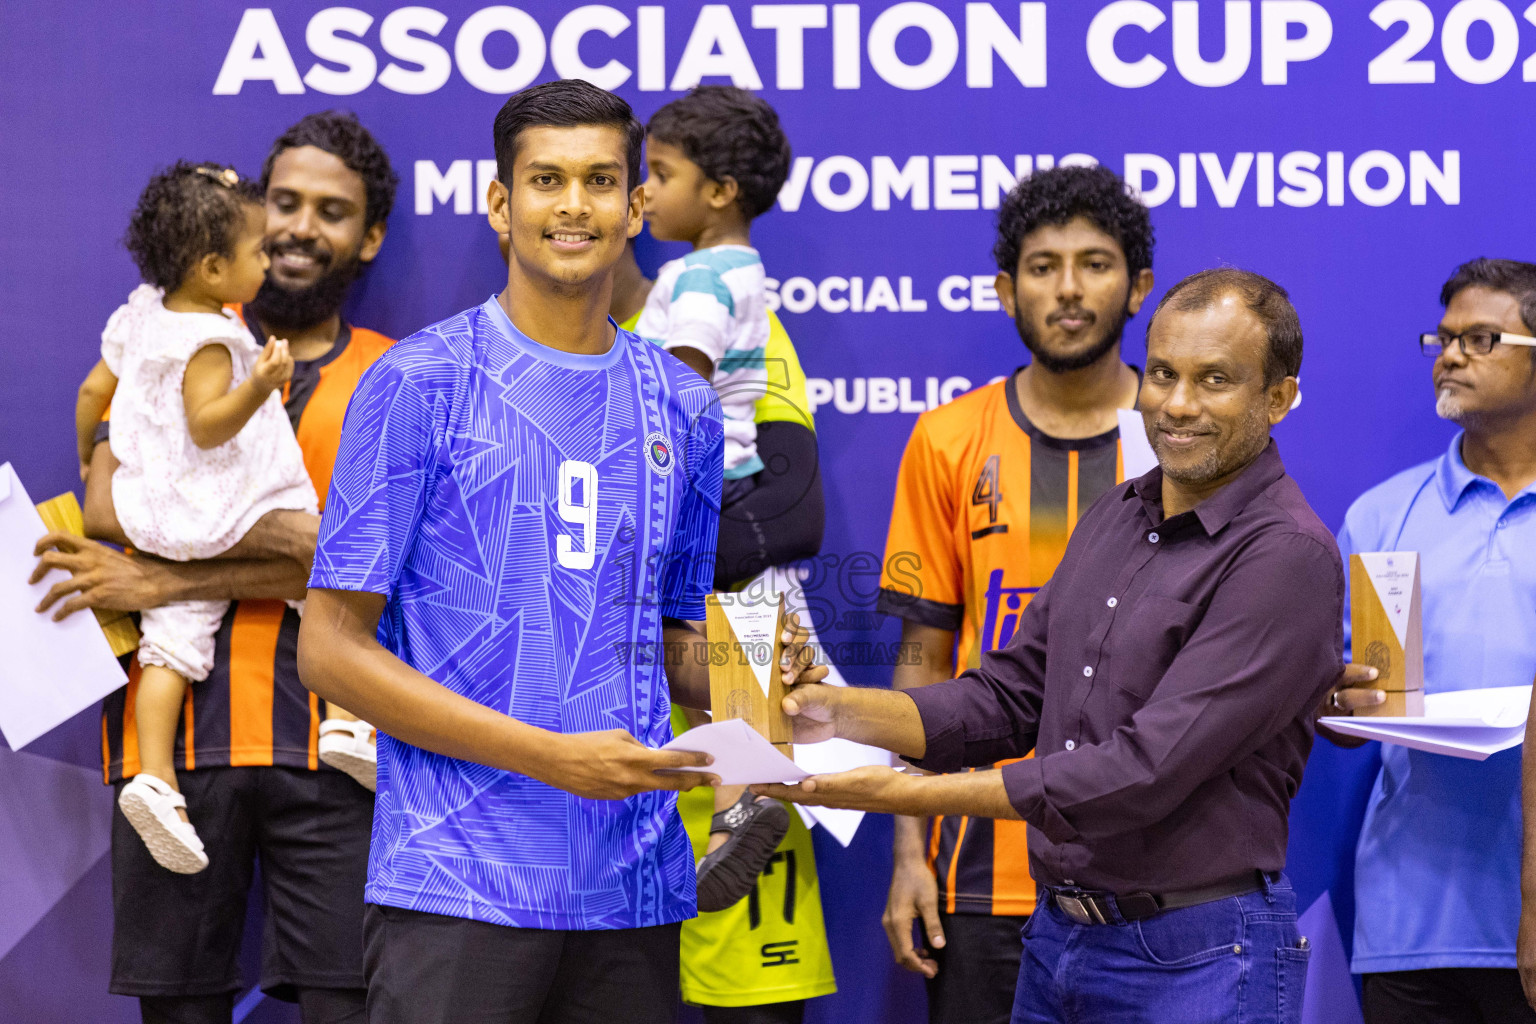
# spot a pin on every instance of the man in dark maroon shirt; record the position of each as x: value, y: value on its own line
x: 1166, y: 679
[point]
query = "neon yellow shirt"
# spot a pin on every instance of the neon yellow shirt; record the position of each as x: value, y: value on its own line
x: 772, y: 946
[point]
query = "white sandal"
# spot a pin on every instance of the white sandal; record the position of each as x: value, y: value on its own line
x: 350, y: 747
x: 150, y: 805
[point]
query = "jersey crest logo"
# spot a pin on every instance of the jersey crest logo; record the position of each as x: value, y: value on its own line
x: 658, y: 452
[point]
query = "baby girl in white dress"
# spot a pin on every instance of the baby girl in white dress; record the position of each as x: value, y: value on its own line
x: 205, y: 449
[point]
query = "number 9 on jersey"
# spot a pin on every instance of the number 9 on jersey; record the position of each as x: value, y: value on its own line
x: 578, y: 506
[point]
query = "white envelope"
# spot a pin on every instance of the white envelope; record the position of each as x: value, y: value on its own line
x: 51, y: 671
x: 1471, y: 724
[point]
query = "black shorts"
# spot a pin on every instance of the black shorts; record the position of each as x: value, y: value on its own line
x: 978, y: 969
x: 179, y: 935
x: 434, y: 969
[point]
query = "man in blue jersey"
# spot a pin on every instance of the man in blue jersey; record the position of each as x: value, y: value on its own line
x: 526, y: 498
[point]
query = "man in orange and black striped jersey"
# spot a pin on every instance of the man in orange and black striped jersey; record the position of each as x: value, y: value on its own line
x: 247, y: 752
x: 989, y: 490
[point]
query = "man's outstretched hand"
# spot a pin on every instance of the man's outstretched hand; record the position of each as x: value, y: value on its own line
x: 877, y: 788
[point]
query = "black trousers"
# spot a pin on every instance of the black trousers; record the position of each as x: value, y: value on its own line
x: 434, y: 969
x: 978, y: 969
x: 1448, y: 995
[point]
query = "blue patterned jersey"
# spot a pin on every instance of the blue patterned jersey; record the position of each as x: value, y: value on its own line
x: 531, y: 516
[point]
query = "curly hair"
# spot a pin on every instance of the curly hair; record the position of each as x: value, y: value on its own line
x: 1062, y: 193
x: 729, y: 133
x: 1511, y: 277
x: 186, y: 212
x: 565, y: 103
x: 339, y: 133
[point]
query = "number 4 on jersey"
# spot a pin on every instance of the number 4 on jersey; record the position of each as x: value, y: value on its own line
x: 578, y: 506
x: 988, y: 490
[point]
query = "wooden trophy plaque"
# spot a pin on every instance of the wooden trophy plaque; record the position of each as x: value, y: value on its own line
x: 1387, y: 628
x: 63, y: 515
x: 748, y: 684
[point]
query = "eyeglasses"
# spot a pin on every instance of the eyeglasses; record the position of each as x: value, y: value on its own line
x: 1473, y: 343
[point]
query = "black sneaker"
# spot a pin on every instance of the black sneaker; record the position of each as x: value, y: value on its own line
x: 756, y: 826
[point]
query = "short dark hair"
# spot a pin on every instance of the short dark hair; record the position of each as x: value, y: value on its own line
x: 729, y: 133
x: 567, y: 103
x: 1508, y: 276
x: 1265, y: 299
x: 186, y: 212
x: 1060, y: 194
x: 341, y: 134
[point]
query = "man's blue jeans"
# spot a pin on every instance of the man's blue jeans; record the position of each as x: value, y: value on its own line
x: 1238, y: 960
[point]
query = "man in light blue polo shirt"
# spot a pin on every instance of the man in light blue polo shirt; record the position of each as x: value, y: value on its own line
x: 1437, y: 871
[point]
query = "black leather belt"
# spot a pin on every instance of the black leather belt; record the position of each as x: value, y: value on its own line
x: 1096, y: 906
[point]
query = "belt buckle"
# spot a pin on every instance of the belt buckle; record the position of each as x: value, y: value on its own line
x: 1073, y: 908
x: 1080, y: 908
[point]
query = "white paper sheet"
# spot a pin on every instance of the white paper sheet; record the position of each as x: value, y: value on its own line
x: 742, y: 756
x: 1135, y: 452
x: 51, y: 671
x: 1471, y: 724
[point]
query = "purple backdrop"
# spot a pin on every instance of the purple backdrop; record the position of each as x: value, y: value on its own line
x: 1353, y: 153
